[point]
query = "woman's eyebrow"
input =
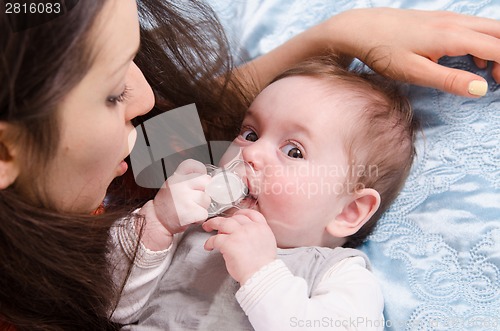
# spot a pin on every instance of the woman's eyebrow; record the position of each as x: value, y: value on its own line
x: 130, y: 58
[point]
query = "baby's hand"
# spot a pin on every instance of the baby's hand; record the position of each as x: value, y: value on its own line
x: 182, y: 199
x: 245, y: 241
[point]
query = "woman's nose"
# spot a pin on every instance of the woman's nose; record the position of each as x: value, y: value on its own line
x: 142, y: 98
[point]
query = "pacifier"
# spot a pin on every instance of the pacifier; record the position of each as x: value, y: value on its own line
x: 229, y: 187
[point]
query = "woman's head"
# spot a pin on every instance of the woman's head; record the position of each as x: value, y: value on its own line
x: 64, y: 126
x: 70, y: 98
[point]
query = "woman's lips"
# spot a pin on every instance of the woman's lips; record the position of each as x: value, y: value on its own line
x: 122, y: 168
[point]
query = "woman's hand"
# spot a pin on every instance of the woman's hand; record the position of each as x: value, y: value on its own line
x: 400, y: 43
x: 406, y: 44
x: 245, y: 241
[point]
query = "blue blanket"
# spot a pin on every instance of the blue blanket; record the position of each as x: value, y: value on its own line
x: 437, y: 250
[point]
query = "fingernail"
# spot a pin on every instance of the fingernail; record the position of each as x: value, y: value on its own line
x: 478, y: 87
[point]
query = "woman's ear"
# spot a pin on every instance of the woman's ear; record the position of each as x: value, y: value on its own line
x: 9, y: 169
x: 355, y: 213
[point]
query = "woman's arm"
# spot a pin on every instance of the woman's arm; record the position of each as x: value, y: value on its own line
x: 180, y: 202
x: 402, y: 44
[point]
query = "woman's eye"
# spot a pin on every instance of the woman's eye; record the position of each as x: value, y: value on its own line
x: 291, y: 150
x: 114, y: 100
x: 249, y: 135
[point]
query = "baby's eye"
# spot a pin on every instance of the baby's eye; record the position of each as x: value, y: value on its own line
x: 291, y: 150
x: 249, y: 135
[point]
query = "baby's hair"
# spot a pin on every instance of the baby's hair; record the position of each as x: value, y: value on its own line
x: 381, y: 148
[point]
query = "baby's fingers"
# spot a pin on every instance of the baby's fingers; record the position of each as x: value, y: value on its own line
x: 191, y: 166
x: 195, y: 214
x: 250, y: 214
x: 199, y: 182
x: 211, y: 224
x: 215, y: 242
x: 202, y: 199
x: 221, y: 224
x: 182, y: 183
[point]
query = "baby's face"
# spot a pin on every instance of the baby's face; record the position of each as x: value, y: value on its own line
x: 294, y: 136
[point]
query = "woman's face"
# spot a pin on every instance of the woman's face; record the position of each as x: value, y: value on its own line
x: 95, y: 116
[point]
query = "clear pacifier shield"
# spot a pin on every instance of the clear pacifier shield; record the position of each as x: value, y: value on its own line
x: 228, y: 187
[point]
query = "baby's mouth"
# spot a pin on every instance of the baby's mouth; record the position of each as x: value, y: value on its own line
x: 250, y: 199
x: 248, y: 202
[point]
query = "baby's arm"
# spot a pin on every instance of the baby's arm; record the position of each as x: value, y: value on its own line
x: 245, y: 241
x: 145, y: 272
x: 180, y: 202
x: 348, y: 296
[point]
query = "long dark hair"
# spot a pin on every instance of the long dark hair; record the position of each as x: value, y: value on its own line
x: 185, y: 57
x: 54, y: 274
x: 182, y: 74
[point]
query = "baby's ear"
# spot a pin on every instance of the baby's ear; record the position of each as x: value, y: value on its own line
x: 355, y: 213
x: 9, y: 169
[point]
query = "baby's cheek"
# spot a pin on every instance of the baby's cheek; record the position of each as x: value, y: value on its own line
x: 286, y: 194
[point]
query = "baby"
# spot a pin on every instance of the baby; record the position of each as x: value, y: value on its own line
x: 331, y: 149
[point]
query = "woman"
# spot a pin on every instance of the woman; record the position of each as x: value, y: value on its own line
x: 70, y: 93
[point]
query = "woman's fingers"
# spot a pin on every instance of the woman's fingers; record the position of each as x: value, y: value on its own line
x: 495, y: 71
x: 428, y: 73
x: 480, y: 45
x: 480, y: 24
x: 480, y: 63
x: 411, y: 54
